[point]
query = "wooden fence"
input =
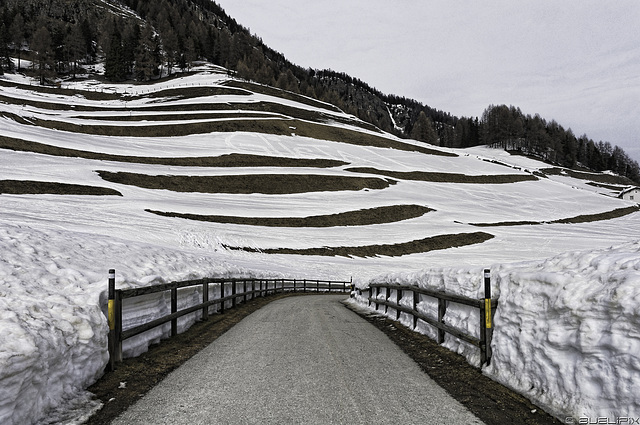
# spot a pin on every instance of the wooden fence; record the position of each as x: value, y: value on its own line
x: 238, y: 290
x: 487, y: 307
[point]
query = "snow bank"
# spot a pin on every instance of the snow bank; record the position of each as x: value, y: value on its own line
x: 566, y: 331
x: 53, y: 342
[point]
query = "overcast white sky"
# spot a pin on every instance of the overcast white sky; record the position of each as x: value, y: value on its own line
x: 575, y: 61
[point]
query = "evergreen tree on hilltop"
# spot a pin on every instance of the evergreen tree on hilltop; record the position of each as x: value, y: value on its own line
x: 423, y: 130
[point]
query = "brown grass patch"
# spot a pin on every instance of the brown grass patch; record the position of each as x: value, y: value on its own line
x: 364, y: 217
x: 594, y: 177
x: 615, y: 188
x: 586, y: 218
x: 271, y: 91
x: 87, y: 94
x: 395, y: 250
x: 282, y: 127
x: 228, y: 160
x: 180, y: 117
x: 28, y: 187
x: 446, y: 177
x: 271, y: 184
x: 193, y: 92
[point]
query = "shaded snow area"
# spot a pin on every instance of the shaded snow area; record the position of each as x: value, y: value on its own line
x: 566, y: 330
x: 54, y: 330
x: 567, y: 326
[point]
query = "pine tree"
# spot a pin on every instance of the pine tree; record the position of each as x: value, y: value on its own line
x: 423, y: 130
x: 147, y: 55
x: 17, y: 31
x: 114, y: 67
x: 41, y: 45
x: 75, y: 46
x: 5, y: 59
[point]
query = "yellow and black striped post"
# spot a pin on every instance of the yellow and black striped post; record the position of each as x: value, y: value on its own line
x: 111, y: 318
x: 488, y: 313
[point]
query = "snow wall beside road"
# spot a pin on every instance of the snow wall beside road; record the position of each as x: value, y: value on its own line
x: 566, y: 330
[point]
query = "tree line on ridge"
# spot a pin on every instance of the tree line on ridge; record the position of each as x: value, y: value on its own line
x: 144, y: 40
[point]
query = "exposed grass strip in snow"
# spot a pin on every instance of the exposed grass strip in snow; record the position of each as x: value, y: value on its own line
x: 595, y: 177
x: 51, y: 91
x: 22, y: 187
x: 388, y: 214
x: 281, y: 127
x: 247, y: 183
x: 229, y: 160
x: 585, y: 218
x: 391, y: 250
x: 193, y: 92
x: 271, y: 91
x: 446, y: 177
x: 181, y: 116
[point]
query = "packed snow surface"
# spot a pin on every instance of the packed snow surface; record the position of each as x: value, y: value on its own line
x: 567, y: 327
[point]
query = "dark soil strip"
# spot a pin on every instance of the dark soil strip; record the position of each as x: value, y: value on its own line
x: 363, y: 217
x: 179, y: 117
x: 396, y: 250
x: 282, y: 127
x: 87, y: 94
x: 270, y: 184
x: 271, y: 91
x: 586, y: 218
x: 446, y: 177
x: 594, y: 177
x: 178, y: 92
x: 490, y: 401
x: 615, y: 188
x: 193, y: 92
x: 22, y: 187
x: 275, y: 109
x: 229, y: 160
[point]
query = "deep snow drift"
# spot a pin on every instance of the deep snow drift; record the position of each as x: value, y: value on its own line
x: 57, y: 249
x: 566, y: 330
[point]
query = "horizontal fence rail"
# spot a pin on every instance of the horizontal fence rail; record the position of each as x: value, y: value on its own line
x: 487, y: 307
x: 230, y: 291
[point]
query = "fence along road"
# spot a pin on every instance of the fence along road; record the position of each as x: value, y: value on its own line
x: 304, y: 359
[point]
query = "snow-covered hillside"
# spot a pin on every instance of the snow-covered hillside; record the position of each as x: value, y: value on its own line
x: 57, y: 248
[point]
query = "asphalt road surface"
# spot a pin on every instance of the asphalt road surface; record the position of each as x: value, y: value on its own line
x: 299, y: 360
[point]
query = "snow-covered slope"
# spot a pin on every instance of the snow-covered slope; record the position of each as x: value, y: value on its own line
x: 57, y: 248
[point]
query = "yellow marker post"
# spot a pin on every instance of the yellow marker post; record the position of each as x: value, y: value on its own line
x: 111, y: 318
x: 487, y: 315
x: 487, y: 312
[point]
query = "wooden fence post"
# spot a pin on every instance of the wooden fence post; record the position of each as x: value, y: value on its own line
x: 415, y: 309
x: 387, y: 294
x: 174, y: 309
x: 442, y: 309
x: 205, y: 299
x: 376, y: 297
x: 398, y: 297
x: 221, y: 297
x: 234, y: 283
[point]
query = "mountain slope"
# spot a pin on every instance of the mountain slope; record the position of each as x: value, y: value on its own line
x: 145, y: 40
x: 206, y: 175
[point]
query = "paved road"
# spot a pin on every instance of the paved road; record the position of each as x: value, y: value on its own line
x: 299, y: 360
